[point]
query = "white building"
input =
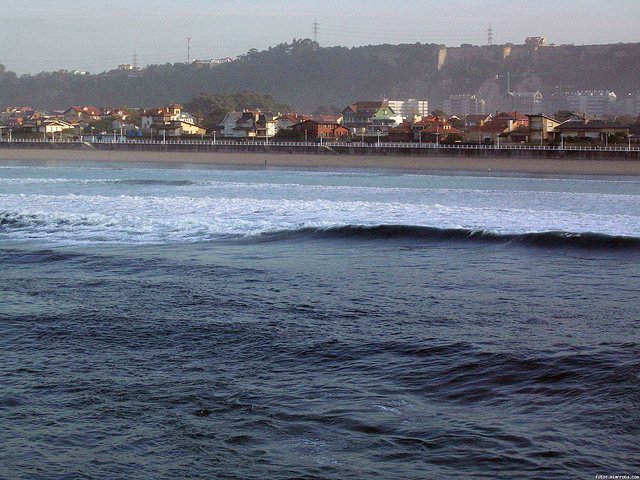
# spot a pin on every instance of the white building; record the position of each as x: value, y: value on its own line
x: 523, y: 102
x: 409, y: 108
x: 631, y: 104
x: 465, y: 104
x: 592, y: 102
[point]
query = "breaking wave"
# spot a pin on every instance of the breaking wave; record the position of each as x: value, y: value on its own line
x: 431, y: 234
x: 95, y: 228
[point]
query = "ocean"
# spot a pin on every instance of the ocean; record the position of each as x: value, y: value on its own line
x: 184, y: 321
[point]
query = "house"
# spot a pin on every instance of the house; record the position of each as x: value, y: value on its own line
x: 250, y: 124
x: 433, y: 129
x: 382, y: 120
x: 155, y: 117
x: 357, y: 116
x: 587, y: 129
x: 474, y: 121
x: 172, y: 117
x: 50, y: 126
x: 246, y: 126
x: 285, y: 122
x: 402, y: 133
x: 87, y: 114
x: 267, y: 124
x: 15, y: 116
x: 321, y: 128
x: 121, y: 114
x: 542, y: 128
x: 513, y: 120
x: 489, y: 132
x: 227, y: 126
x: 178, y: 128
x: 425, y: 122
x: 439, y: 132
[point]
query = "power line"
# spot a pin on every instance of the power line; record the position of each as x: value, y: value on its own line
x: 315, y: 30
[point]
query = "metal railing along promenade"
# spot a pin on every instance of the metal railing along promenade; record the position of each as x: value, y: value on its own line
x: 306, y: 145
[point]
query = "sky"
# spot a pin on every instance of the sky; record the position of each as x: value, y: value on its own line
x: 96, y: 36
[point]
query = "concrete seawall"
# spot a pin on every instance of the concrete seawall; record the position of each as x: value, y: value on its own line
x: 464, y: 151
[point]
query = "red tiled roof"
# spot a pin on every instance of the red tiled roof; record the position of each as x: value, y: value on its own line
x: 436, y: 128
x: 294, y: 117
x: 88, y: 109
x: 512, y: 116
x: 327, y: 118
x: 367, y: 105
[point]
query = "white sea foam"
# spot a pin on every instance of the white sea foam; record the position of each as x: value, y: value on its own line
x: 144, y: 219
x: 151, y: 206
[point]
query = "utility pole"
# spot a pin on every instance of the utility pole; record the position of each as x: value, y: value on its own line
x: 490, y: 36
x: 316, y: 28
x: 188, y: 49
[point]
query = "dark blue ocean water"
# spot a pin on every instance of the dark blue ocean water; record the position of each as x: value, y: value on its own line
x: 340, y: 348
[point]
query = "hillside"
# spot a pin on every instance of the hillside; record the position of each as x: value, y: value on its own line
x: 304, y: 75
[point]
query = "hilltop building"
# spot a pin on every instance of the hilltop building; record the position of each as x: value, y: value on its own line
x: 465, y: 104
x: 528, y: 102
x: 596, y: 103
x: 535, y: 42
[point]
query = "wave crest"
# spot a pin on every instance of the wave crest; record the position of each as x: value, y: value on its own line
x: 89, y: 228
x: 585, y: 240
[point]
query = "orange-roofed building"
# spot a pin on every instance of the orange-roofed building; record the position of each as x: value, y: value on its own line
x: 87, y: 114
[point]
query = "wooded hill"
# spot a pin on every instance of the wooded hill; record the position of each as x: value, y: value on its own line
x: 306, y: 76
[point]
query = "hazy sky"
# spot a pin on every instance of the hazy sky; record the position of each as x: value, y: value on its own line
x: 95, y: 36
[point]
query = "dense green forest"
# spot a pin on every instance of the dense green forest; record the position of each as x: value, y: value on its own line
x: 307, y: 77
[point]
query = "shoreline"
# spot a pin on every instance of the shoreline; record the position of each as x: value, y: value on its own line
x: 492, y: 165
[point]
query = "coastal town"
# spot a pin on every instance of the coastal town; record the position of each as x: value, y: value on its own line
x: 501, y: 112
x: 389, y: 121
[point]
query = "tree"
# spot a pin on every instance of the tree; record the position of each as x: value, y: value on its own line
x: 213, y: 107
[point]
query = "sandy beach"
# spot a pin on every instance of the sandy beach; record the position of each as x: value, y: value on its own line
x: 492, y: 165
